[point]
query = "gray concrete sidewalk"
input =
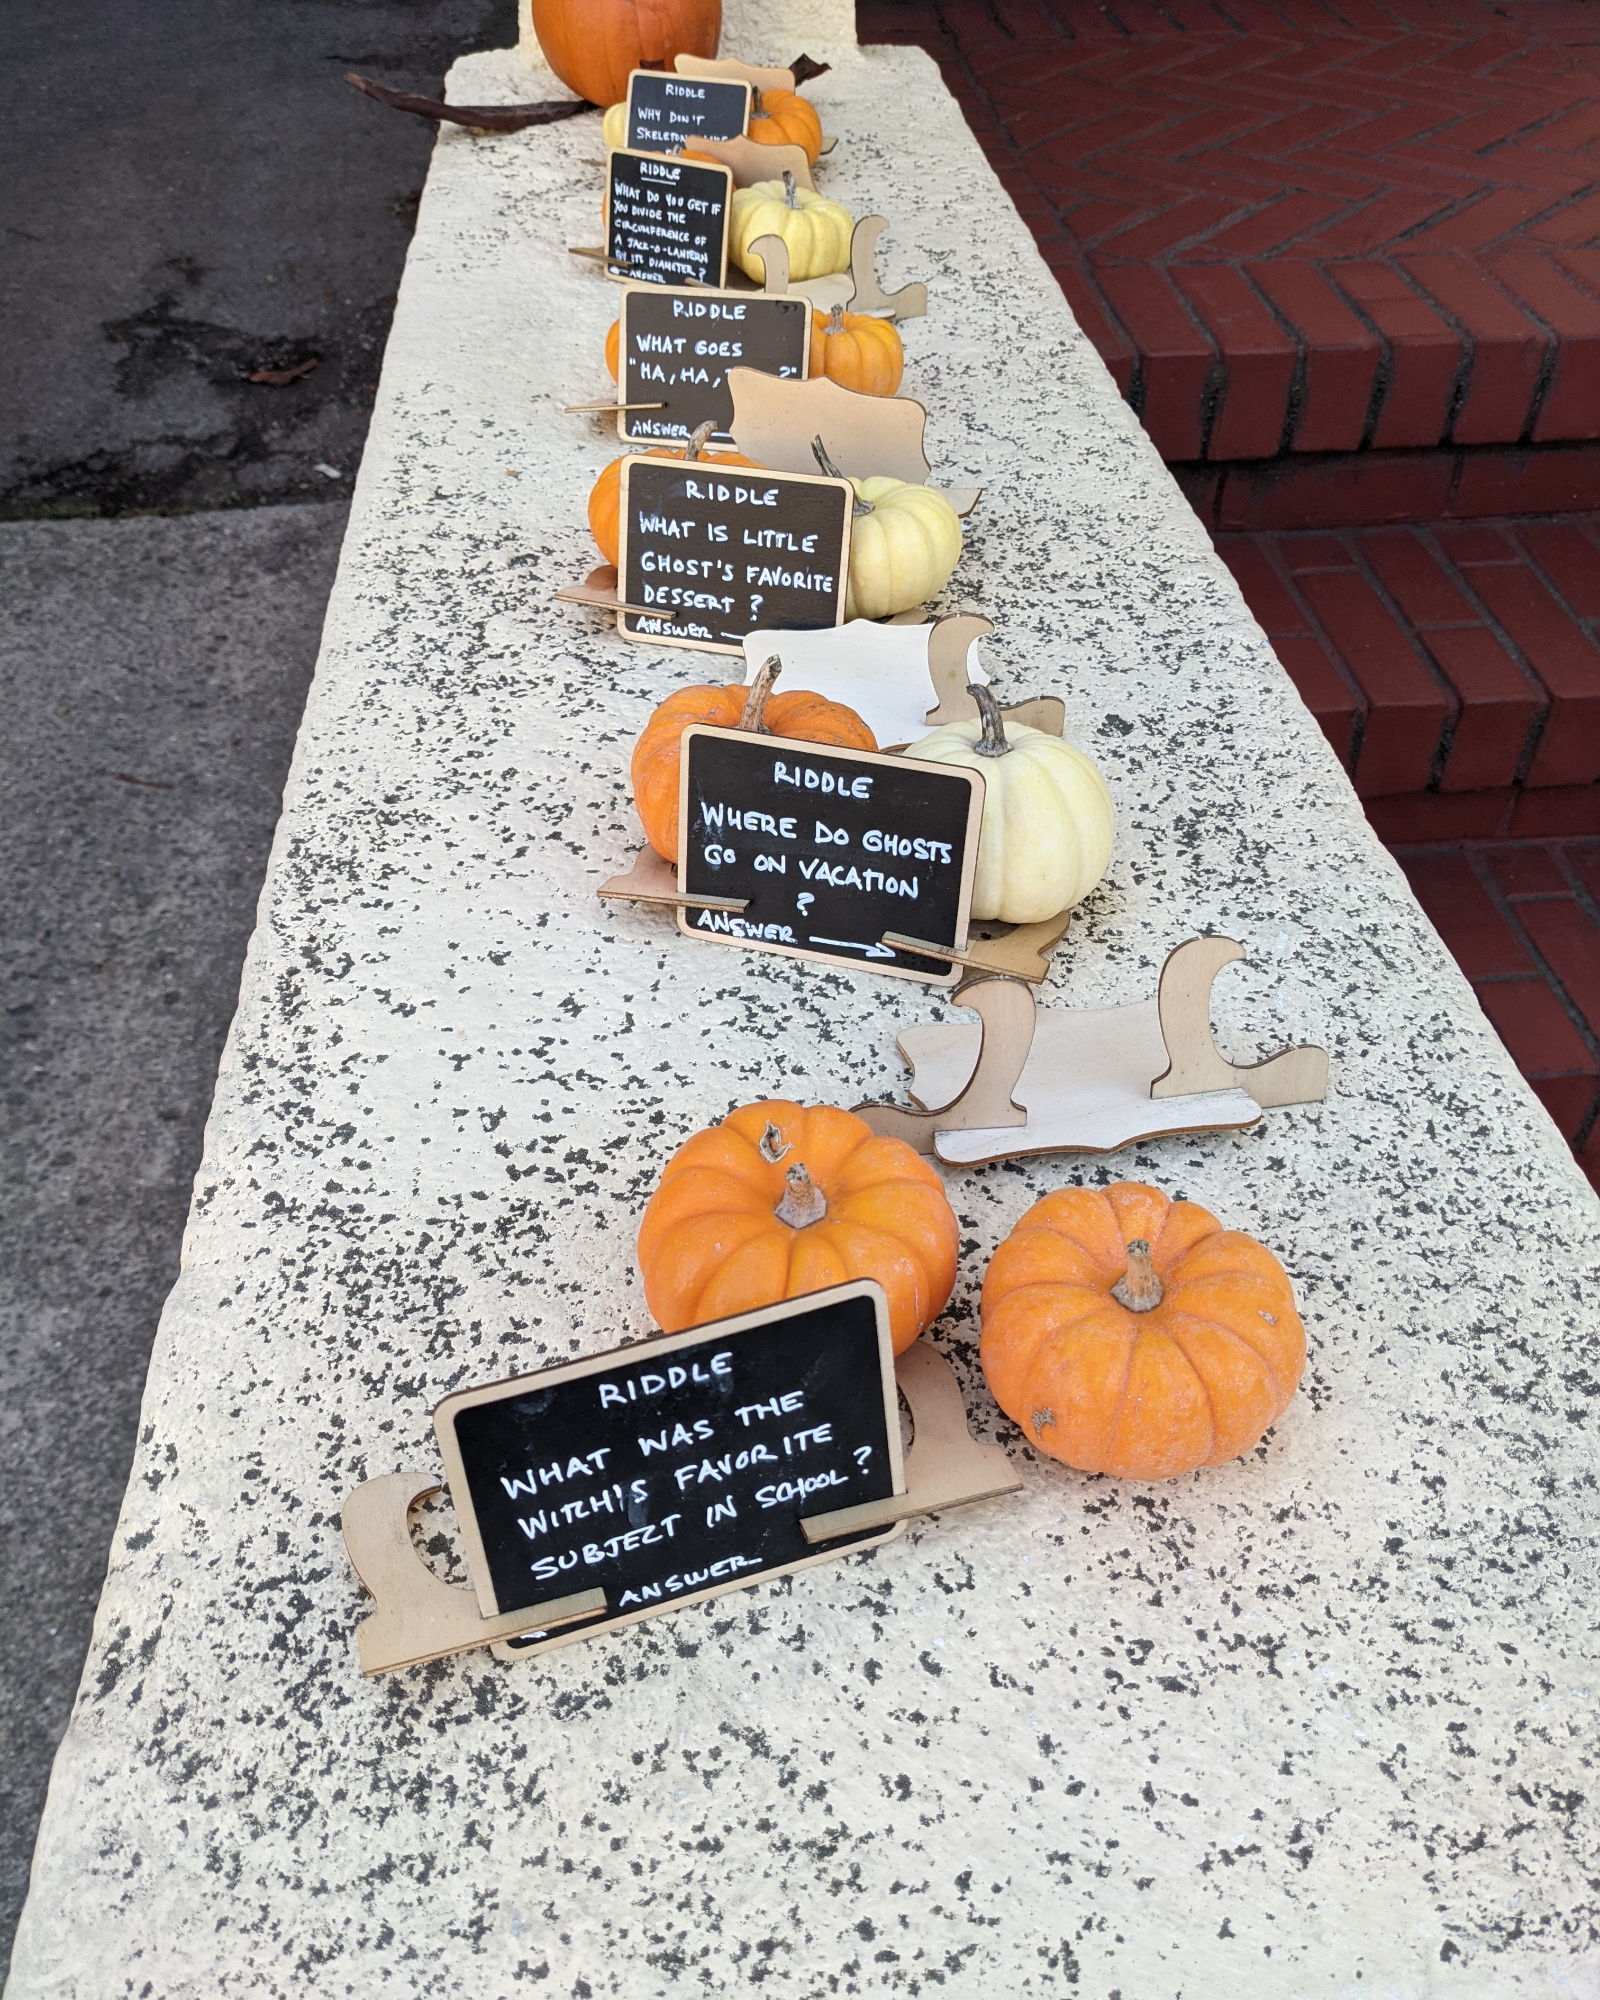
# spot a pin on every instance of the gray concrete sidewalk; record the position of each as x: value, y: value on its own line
x: 152, y: 674
x: 189, y: 194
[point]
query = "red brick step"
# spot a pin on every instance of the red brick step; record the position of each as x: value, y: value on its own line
x: 1297, y: 225
x: 1523, y: 923
x: 1454, y: 668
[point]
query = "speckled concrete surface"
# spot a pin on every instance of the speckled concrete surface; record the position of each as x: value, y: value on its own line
x: 1321, y: 1722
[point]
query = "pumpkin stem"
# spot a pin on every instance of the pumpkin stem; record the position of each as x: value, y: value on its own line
x: 803, y: 1201
x: 772, y: 1145
x: 750, y: 718
x: 836, y: 322
x: 1139, y: 1289
x: 819, y: 451
x: 757, y: 108
x: 699, y: 438
x: 790, y: 198
x: 993, y: 742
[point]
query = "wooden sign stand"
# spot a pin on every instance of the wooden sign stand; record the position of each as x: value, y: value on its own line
x: 419, y: 1617
x: 654, y: 881
x: 945, y: 1467
x: 1085, y: 1080
x: 856, y: 288
x: 1022, y: 952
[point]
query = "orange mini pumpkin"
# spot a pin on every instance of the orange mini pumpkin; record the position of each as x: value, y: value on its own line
x: 614, y: 347
x: 605, y: 496
x: 857, y: 351
x: 1130, y: 1334
x: 779, y: 1200
x: 784, y: 118
x: 811, y: 718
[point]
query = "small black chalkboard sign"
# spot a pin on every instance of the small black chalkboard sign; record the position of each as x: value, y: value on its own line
x: 708, y: 552
x: 677, y: 1468
x: 677, y: 347
x: 831, y: 849
x: 666, y: 219
x: 666, y: 111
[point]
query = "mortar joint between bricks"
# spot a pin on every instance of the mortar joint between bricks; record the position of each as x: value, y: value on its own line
x: 1507, y: 911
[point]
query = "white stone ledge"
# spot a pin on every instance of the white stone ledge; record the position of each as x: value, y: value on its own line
x: 1314, y: 1722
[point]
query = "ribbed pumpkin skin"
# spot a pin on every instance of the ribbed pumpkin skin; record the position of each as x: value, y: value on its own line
x: 810, y: 717
x: 1048, y: 820
x: 605, y: 496
x: 866, y: 355
x: 786, y: 119
x: 614, y: 349
x: 1149, y: 1395
x: 592, y: 45
x: 817, y: 231
x: 903, y: 551
x: 710, y: 1244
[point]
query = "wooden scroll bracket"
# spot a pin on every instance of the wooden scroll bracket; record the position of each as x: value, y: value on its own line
x: 856, y: 288
x: 1086, y: 1080
x: 419, y: 1616
x: 774, y: 255
x: 945, y: 1467
x: 949, y: 646
x: 652, y: 880
x: 1006, y: 1015
x: 750, y: 161
x: 776, y: 420
x: 1293, y: 1076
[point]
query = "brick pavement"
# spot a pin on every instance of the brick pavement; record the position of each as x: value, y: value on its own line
x: 1292, y: 227
x: 1345, y: 263
x: 1454, y: 667
x: 1456, y: 670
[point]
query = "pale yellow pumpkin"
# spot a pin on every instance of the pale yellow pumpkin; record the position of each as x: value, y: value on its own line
x: 817, y: 231
x: 905, y: 541
x: 614, y: 125
x: 1047, y: 815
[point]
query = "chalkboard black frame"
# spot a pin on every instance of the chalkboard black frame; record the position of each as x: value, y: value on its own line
x: 653, y: 467
x: 616, y: 267
x: 715, y: 1335
x: 658, y: 76
x: 926, y: 971
x: 633, y: 423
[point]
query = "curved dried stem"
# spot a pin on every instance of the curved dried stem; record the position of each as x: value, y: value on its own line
x: 1139, y: 1289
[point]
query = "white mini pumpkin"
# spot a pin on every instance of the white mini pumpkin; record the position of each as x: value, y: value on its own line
x: 817, y: 231
x: 902, y: 551
x: 1047, y: 816
x: 905, y: 541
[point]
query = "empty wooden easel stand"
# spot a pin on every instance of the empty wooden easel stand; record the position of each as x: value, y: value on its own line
x: 1084, y: 1080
